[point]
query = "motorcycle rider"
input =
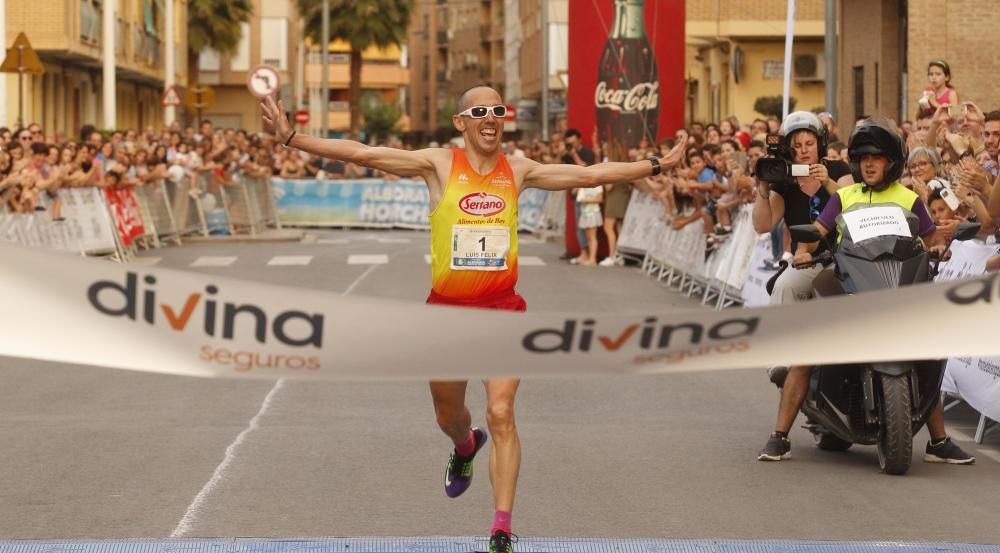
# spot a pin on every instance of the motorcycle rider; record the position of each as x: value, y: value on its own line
x: 877, y: 154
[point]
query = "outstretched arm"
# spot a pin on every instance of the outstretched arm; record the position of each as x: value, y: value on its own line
x: 566, y: 176
x: 399, y: 162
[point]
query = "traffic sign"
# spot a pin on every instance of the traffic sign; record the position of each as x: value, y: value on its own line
x: 171, y: 97
x: 511, y: 112
x: 22, y: 58
x: 199, y: 96
x: 302, y: 117
x: 263, y: 81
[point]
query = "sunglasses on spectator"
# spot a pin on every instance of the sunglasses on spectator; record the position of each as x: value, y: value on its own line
x: 479, y: 112
x: 24, y: 137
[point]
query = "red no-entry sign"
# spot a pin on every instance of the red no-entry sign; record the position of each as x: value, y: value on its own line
x: 302, y: 117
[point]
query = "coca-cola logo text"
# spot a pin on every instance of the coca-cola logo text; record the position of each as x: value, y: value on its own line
x: 641, y: 97
x: 482, y: 204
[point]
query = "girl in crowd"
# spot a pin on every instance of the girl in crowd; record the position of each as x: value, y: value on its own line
x: 940, y: 92
x: 590, y: 218
x: 614, y: 208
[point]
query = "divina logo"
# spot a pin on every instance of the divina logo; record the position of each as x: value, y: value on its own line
x: 978, y: 290
x: 178, y: 317
x: 650, y: 335
x: 482, y: 204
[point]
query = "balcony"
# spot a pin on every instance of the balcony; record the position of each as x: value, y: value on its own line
x: 373, y: 75
x: 442, y: 76
x: 147, y: 48
x: 120, y: 34
x: 90, y: 23
x: 442, y: 38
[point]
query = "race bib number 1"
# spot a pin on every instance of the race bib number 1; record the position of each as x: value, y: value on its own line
x: 479, y: 248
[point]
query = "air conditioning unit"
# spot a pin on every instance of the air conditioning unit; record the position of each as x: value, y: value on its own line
x: 808, y: 67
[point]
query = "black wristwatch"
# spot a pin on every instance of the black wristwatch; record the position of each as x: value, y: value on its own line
x: 656, y: 165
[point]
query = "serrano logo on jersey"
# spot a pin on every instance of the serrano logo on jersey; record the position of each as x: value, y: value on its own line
x: 482, y: 204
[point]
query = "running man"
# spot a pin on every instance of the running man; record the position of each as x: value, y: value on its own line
x: 473, y: 202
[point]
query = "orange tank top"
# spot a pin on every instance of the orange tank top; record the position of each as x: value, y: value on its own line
x: 474, y: 231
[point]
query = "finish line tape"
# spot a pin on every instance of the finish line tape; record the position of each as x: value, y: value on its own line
x: 91, y: 312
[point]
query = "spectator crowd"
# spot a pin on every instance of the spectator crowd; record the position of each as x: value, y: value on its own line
x: 952, y: 165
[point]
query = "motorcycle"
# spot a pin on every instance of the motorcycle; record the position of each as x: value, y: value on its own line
x: 882, y: 404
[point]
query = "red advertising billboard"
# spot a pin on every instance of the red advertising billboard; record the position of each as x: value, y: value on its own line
x: 626, y: 69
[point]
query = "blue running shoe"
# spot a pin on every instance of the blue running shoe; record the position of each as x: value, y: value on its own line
x: 458, y: 475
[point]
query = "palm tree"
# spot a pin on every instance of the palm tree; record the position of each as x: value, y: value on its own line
x: 362, y: 24
x: 214, y: 24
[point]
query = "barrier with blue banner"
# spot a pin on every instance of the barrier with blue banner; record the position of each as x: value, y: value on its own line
x: 374, y: 203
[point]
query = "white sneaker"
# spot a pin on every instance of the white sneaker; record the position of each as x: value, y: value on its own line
x: 608, y: 262
x: 787, y: 256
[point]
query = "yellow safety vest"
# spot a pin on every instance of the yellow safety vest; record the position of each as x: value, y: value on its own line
x: 895, y: 193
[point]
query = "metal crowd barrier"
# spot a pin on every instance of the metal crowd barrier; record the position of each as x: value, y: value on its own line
x: 157, y: 212
x: 678, y: 257
x: 169, y: 210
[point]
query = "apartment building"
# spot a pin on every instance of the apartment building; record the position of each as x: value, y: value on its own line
x: 529, y: 59
x: 271, y: 37
x: 68, y: 39
x: 736, y: 52
x: 453, y: 46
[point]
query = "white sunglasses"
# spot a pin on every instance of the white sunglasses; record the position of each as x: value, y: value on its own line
x: 479, y: 112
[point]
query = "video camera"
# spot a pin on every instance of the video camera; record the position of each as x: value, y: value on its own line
x: 778, y: 166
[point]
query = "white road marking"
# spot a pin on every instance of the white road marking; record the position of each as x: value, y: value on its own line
x: 214, y: 261
x: 530, y: 261
x: 427, y: 258
x: 283, y: 260
x: 145, y: 261
x: 368, y: 259
x: 393, y: 240
x: 190, y: 517
x: 332, y: 241
x: 359, y: 279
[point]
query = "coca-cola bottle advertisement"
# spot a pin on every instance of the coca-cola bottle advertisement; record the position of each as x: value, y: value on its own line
x: 627, y: 95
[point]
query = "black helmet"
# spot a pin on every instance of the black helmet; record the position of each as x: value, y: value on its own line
x: 804, y: 120
x: 872, y: 137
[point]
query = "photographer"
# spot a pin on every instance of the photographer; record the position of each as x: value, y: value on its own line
x: 798, y: 200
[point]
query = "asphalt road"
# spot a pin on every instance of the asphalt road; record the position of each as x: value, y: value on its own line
x: 92, y: 453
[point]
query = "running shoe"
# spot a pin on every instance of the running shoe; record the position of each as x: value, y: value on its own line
x: 946, y: 451
x: 776, y: 449
x: 500, y: 542
x: 458, y: 475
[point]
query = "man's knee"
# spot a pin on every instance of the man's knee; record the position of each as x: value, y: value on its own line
x: 500, y: 415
